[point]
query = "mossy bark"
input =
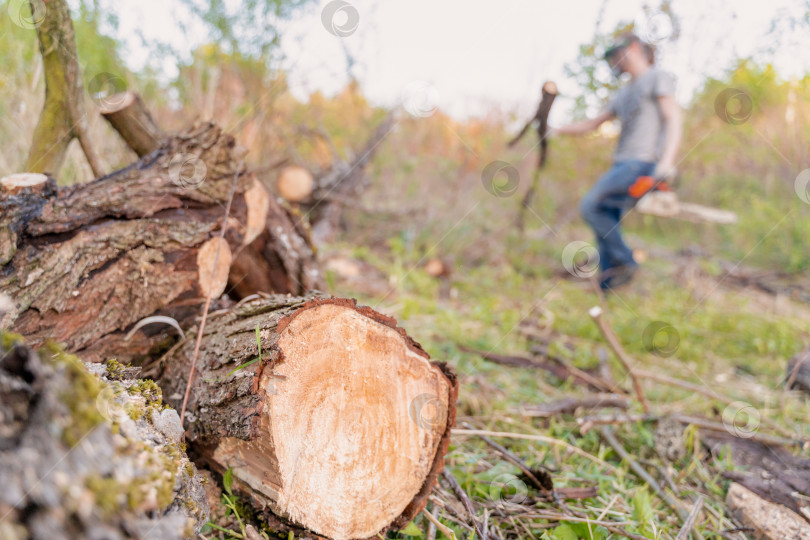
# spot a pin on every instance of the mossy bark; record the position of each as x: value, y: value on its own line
x: 74, y: 462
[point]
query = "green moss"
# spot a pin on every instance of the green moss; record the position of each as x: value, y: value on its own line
x: 80, y: 396
x: 134, y: 410
x: 115, y: 369
x: 9, y: 339
x: 149, y: 390
x: 107, y: 492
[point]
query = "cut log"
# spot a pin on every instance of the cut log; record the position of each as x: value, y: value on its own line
x: 767, y: 521
x: 295, y: 183
x: 84, y: 263
x: 342, y: 426
x: 83, y: 457
x: 666, y: 204
x: 127, y: 114
x: 21, y: 196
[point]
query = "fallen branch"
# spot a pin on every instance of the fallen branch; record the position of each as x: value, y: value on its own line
x: 539, y: 438
x: 674, y: 504
x: 436, y: 524
x: 465, y: 500
x: 541, y: 485
x: 596, y: 314
x: 683, y: 534
x: 571, y: 404
x: 558, y: 367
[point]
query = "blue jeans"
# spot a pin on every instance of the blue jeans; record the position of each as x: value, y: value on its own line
x: 605, y: 204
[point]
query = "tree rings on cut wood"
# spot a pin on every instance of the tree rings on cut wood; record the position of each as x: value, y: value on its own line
x: 436, y: 268
x: 341, y: 430
x: 295, y: 183
x: 550, y: 87
x: 15, y: 183
x: 213, y: 265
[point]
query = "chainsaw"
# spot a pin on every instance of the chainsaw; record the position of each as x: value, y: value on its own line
x: 658, y: 198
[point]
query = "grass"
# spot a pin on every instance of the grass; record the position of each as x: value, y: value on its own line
x: 733, y: 341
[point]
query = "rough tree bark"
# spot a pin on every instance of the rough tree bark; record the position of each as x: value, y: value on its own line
x: 86, y: 262
x: 83, y: 457
x: 63, y: 116
x: 341, y: 427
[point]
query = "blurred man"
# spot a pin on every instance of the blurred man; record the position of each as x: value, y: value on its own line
x: 648, y: 145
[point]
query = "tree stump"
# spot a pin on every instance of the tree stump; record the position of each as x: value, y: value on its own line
x: 341, y: 428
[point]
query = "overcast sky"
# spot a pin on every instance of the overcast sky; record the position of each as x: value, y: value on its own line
x: 468, y: 55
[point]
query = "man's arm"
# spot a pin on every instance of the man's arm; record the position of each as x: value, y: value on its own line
x: 585, y: 126
x: 671, y: 112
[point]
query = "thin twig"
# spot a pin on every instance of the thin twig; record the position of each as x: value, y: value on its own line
x: 431, y: 530
x: 607, y: 435
x: 208, y: 298
x: 708, y: 392
x: 465, y: 500
x: 691, y: 519
x: 512, y: 458
x: 447, y: 531
x: 596, y: 314
x: 539, y: 438
x: 717, y: 426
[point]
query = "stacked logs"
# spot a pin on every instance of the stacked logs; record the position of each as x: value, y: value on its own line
x: 329, y: 416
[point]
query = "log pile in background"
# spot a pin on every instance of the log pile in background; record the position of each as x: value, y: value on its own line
x: 323, y: 198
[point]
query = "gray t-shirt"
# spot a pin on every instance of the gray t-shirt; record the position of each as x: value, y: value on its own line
x: 636, y: 105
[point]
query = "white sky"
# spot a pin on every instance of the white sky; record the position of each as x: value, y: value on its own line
x: 477, y: 54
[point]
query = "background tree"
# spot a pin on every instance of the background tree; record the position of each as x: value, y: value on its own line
x: 63, y: 117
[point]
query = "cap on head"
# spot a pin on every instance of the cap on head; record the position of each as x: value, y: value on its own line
x: 621, y: 43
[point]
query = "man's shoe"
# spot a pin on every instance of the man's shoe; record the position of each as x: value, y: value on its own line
x: 617, y: 276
